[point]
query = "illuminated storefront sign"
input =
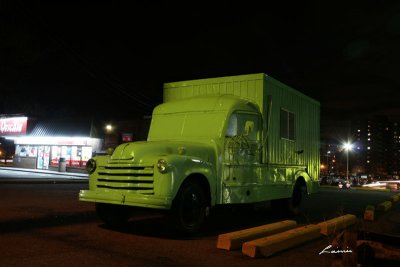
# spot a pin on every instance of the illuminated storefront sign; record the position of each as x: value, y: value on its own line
x: 13, y: 126
x: 127, y: 137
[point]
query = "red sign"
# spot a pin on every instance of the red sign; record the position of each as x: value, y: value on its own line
x: 13, y: 126
x: 127, y: 137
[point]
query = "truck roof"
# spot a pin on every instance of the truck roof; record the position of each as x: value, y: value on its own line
x: 186, y: 119
x: 205, y: 103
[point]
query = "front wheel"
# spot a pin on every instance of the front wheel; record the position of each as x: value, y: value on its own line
x: 190, y: 207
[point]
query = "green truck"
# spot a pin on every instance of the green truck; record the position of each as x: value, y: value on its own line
x: 217, y: 141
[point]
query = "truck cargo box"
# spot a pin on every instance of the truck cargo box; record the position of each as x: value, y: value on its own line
x: 291, y: 119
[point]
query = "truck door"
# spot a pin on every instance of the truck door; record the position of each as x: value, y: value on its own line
x: 242, y: 156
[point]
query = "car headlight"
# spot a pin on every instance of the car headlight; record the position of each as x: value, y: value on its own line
x: 90, y: 166
x: 162, y: 166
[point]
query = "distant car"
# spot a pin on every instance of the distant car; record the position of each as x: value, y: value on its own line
x: 325, y: 180
x: 338, y: 180
x: 359, y: 181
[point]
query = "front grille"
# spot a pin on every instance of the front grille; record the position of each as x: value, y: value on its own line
x: 131, y: 178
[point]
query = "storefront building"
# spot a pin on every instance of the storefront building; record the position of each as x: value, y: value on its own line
x: 45, y: 153
x: 42, y: 144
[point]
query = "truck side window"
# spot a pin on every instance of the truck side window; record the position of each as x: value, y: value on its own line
x: 287, y: 125
x: 245, y: 124
x: 231, y: 131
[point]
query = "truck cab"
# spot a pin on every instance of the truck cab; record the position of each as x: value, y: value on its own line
x: 190, y: 144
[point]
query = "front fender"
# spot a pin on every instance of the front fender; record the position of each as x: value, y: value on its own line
x: 183, y: 167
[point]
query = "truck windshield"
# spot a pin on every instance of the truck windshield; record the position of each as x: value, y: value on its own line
x: 189, y: 125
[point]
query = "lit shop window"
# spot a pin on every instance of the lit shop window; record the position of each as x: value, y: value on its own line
x: 26, y: 151
x: 86, y: 154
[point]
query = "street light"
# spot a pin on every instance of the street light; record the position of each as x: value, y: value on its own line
x: 109, y: 127
x: 347, y: 146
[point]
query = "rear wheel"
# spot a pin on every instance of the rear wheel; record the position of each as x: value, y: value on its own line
x: 190, y: 207
x: 295, y: 201
x: 290, y: 206
x: 113, y: 215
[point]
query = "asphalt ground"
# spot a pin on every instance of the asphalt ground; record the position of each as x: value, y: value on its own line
x: 385, y: 222
x: 385, y: 228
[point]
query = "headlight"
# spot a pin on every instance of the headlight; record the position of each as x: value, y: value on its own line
x: 90, y: 166
x: 162, y: 166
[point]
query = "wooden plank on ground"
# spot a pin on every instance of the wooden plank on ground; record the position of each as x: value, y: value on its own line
x: 336, y: 224
x: 384, y: 206
x: 234, y: 240
x: 270, y: 245
x: 394, y: 198
x: 369, y: 213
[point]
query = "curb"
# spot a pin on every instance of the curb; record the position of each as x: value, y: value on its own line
x: 43, y: 181
x: 74, y: 175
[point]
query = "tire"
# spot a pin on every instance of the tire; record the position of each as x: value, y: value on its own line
x: 190, y: 208
x: 289, y: 206
x: 295, y: 201
x: 113, y: 215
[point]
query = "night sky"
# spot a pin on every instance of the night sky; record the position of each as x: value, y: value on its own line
x: 109, y: 59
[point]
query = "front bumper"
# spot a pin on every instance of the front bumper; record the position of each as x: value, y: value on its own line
x: 138, y: 200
